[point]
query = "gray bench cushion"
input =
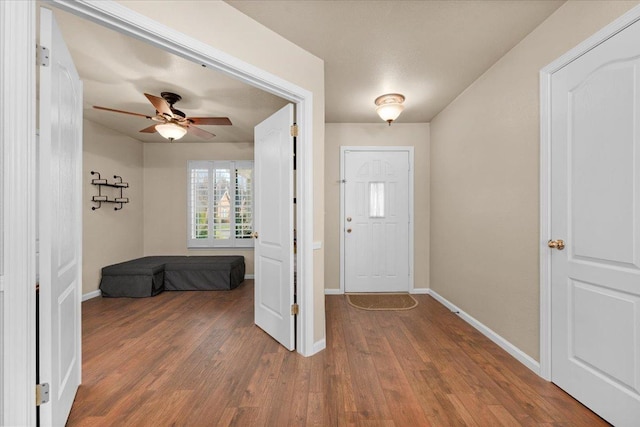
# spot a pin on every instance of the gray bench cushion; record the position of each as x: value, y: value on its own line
x: 148, y: 276
x: 204, y: 273
x: 146, y: 265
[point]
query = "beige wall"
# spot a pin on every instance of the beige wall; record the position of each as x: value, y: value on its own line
x: 484, y: 180
x: 376, y: 134
x: 223, y: 27
x: 165, y: 195
x: 110, y: 236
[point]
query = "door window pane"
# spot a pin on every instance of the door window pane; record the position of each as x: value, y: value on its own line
x: 376, y: 200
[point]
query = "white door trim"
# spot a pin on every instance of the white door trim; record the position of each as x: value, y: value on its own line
x: 409, y: 150
x: 17, y: 231
x: 545, y: 174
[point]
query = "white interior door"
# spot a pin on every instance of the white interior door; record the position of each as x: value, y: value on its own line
x: 274, y: 290
x: 595, y: 204
x: 60, y: 224
x: 376, y: 223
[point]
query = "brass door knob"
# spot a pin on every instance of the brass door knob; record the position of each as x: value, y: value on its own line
x: 556, y: 244
x: 254, y: 234
x: 348, y: 230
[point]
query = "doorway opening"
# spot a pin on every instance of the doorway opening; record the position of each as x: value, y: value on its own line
x: 116, y: 17
x: 23, y: 99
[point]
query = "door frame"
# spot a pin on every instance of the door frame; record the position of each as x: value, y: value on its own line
x: 17, y: 235
x: 17, y: 39
x: 409, y: 150
x: 546, y: 74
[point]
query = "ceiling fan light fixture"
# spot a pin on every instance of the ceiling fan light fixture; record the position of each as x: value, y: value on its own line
x: 171, y: 131
x: 389, y: 106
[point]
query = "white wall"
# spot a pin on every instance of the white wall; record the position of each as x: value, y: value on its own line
x: 110, y: 236
x: 376, y: 134
x: 484, y: 180
x: 165, y: 195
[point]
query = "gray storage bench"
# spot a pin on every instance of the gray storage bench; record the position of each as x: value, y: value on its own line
x: 148, y: 276
x: 204, y: 273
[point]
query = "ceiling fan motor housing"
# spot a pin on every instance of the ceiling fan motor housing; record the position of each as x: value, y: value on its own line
x: 172, y: 98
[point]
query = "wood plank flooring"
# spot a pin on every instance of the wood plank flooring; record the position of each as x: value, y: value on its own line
x: 196, y: 359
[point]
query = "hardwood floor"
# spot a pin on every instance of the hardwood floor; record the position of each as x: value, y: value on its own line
x: 196, y: 359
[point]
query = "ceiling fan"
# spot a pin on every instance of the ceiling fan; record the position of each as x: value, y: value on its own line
x: 172, y: 123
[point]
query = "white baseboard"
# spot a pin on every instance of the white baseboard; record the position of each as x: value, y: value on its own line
x: 319, y: 345
x: 90, y: 295
x: 514, y: 351
x: 412, y: 291
x: 249, y: 276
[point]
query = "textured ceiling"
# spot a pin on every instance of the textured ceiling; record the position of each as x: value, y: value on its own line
x: 430, y: 51
x: 117, y: 70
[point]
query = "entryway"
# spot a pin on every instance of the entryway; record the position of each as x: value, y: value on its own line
x: 376, y: 219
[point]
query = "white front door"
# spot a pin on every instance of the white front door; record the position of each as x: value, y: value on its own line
x: 376, y: 221
x: 274, y: 290
x: 60, y: 224
x: 595, y: 209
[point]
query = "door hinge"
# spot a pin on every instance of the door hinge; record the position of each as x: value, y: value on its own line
x: 295, y: 309
x: 294, y: 130
x: 42, y: 393
x: 42, y: 55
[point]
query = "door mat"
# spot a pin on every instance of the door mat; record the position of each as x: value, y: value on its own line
x: 382, y: 301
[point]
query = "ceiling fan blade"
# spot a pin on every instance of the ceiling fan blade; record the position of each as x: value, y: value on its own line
x: 150, y: 129
x: 219, y: 121
x: 199, y: 132
x: 121, y: 111
x: 160, y: 104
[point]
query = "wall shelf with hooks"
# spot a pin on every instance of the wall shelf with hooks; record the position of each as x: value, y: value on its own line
x: 100, y: 198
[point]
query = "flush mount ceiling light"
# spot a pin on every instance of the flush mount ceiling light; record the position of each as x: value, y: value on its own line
x: 171, y: 131
x: 389, y: 106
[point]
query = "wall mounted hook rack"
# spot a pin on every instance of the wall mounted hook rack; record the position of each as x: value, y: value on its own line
x: 100, y: 198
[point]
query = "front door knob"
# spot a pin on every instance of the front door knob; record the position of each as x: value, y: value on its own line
x: 254, y: 234
x: 348, y: 230
x: 556, y: 244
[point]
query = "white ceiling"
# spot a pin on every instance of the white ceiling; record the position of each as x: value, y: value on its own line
x: 117, y: 70
x: 430, y: 51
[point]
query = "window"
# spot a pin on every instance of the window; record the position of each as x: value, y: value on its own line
x: 220, y: 204
x: 376, y: 200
